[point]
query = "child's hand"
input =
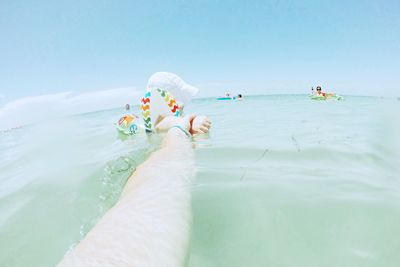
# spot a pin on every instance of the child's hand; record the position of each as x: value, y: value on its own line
x: 192, y: 123
x: 200, y: 125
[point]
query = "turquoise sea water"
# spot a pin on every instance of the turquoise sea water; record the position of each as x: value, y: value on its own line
x: 281, y: 181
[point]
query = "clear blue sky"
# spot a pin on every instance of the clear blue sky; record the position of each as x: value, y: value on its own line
x: 252, y: 47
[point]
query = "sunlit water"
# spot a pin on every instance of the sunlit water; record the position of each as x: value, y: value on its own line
x: 281, y: 181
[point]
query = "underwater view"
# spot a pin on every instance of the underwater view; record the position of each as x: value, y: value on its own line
x: 281, y: 180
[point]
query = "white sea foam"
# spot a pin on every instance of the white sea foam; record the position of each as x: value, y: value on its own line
x: 29, y: 110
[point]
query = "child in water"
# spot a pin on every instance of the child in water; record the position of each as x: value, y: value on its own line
x: 150, y: 224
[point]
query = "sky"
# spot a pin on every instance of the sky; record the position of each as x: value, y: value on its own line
x: 249, y: 47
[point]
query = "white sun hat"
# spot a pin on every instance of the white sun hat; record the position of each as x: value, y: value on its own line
x: 182, y: 91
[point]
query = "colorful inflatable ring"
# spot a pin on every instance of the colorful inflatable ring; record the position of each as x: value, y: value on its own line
x: 128, y: 124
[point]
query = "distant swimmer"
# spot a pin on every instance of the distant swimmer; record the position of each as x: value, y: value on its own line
x: 318, y: 94
x: 319, y: 91
x: 324, y: 94
x: 128, y: 109
x: 239, y: 97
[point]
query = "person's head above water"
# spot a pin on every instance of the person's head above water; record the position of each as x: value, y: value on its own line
x: 182, y: 91
x: 318, y: 88
x: 127, y: 107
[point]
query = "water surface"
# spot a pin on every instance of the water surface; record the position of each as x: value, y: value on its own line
x: 282, y: 181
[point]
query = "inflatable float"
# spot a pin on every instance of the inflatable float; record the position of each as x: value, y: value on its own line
x: 129, y: 124
x: 327, y: 97
x: 229, y: 96
x: 226, y: 98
